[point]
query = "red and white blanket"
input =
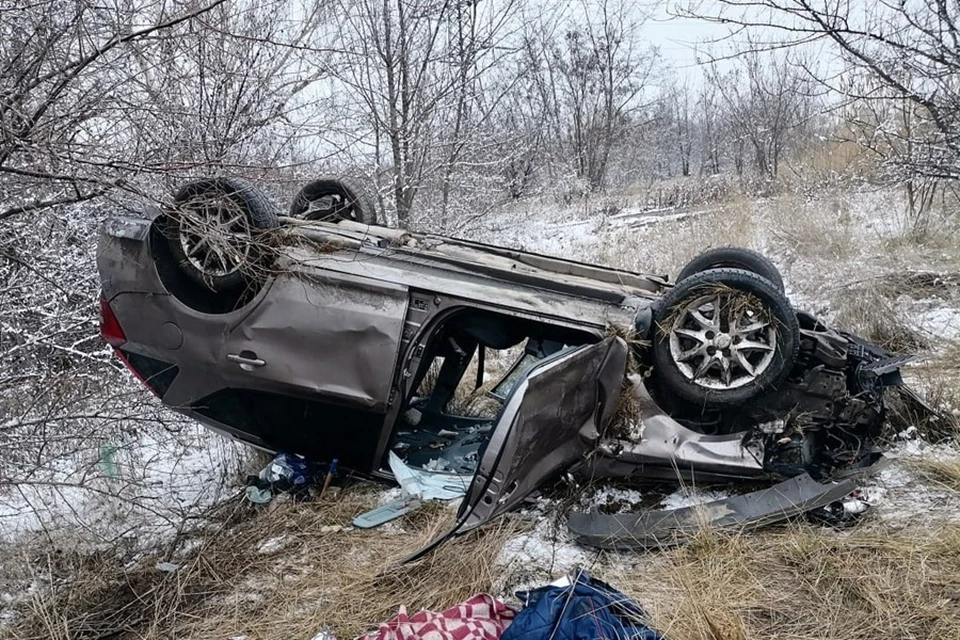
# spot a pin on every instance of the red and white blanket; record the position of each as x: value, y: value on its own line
x: 482, y: 617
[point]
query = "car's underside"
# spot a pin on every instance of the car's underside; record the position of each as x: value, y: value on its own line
x: 352, y: 340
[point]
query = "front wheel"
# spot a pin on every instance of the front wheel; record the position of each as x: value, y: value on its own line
x: 722, y: 337
x: 334, y: 199
x: 733, y: 258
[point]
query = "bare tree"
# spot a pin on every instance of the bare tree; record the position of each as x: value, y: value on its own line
x: 599, y: 71
x: 910, y: 49
x: 99, y: 103
x: 55, y: 91
x: 766, y: 100
x: 679, y: 122
x: 414, y: 71
x: 711, y: 130
x: 90, y: 97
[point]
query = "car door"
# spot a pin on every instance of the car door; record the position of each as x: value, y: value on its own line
x: 330, y: 336
x: 538, y: 432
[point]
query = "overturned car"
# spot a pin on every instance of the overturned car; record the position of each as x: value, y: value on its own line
x: 323, y: 333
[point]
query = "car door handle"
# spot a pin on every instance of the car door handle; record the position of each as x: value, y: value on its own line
x: 248, y: 361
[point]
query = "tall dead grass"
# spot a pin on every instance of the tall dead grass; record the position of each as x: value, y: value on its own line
x: 804, y: 582
x: 945, y: 473
x: 284, y: 571
x: 291, y: 569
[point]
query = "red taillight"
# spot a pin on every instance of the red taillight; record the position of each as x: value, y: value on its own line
x: 109, y: 325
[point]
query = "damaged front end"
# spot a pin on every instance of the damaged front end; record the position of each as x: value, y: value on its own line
x: 813, y: 433
x: 822, y: 419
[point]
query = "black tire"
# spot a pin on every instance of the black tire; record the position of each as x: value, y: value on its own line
x: 203, y: 200
x: 739, y: 295
x: 348, y: 201
x: 733, y: 258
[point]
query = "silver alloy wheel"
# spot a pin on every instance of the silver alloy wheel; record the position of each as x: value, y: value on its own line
x: 723, y: 340
x: 214, y: 234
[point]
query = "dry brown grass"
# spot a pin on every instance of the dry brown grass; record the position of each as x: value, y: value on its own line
x: 226, y: 587
x: 867, y: 310
x: 797, y: 581
x: 940, y: 392
x: 804, y: 582
x: 945, y: 473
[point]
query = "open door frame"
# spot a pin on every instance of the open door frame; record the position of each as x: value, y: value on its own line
x: 539, y: 430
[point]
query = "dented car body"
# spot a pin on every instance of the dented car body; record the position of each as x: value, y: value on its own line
x: 359, y: 340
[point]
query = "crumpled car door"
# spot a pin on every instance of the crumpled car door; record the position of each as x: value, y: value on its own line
x: 538, y: 432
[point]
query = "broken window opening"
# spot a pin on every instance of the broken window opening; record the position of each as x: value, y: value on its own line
x: 472, y: 362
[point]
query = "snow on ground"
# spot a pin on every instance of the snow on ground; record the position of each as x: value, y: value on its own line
x: 902, y: 494
x: 858, y: 226
x: 140, y: 490
x: 536, y: 557
x: 934, y: 320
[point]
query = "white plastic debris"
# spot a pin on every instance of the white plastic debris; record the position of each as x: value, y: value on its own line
x: 910, y: 433
x: 167, y: 567
x: 272, y: 545
x: 855, y: 506
x: 428, y: 485
x: 326, y: 633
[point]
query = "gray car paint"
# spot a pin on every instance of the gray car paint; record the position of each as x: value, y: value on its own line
x: 338, y: 339
x: 338, y: 323
x: 667, y: 450
x: 655, y: 529
x: 347, y: 323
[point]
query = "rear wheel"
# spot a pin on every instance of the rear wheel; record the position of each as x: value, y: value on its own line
x: 733, y: 258
x: 212, y: 228
x: 722, y: 337
x: 332, y: 200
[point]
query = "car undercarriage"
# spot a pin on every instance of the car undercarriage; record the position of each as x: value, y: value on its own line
x: 324, y: 334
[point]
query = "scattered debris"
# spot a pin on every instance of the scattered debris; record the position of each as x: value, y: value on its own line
x: 289, y: 473
x: 843, y: 513
x: 428, y: 485
x: 386, y: 513
x: 665, y: 528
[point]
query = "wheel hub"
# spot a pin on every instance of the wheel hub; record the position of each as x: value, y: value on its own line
x: 214, y: 235
x: 724, y: 340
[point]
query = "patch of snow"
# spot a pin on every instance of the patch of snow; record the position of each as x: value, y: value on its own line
x: 611, y: 499
x: 326, y: 633
x: 532, y: 559
x: 389, y: 495
x: 139, y: 489
x: 250, y: 591
x: 274, y: 544
x: 691, y: 497
x: 902, y: 495
x: 934, y: 319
